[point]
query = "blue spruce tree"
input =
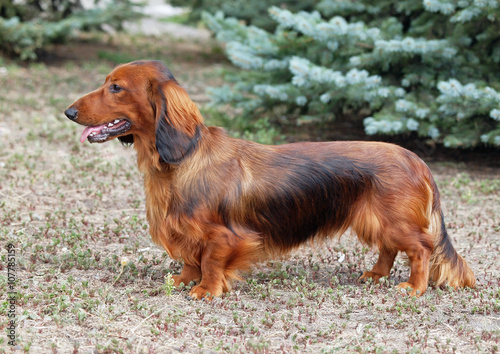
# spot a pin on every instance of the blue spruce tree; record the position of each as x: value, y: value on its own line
x: 430, y: 67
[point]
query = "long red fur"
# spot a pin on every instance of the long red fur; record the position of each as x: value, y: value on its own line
x: 221, y: 204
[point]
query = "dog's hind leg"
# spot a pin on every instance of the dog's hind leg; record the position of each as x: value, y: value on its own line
x: 383, y: 266
x: 419, y: 254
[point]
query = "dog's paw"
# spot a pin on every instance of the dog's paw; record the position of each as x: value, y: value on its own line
x: 411, y: 289
x: 178, y: 280
x: 375, y: 277
x: 199, y: 292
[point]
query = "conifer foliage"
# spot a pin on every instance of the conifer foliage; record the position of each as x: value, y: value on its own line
x: 28, y: 26
x: 252, y: 12
x: 430, y: 67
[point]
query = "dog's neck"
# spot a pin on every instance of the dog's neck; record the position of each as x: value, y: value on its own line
x: 149, y: 160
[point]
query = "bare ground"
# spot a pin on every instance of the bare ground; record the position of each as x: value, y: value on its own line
x: 89, y: 279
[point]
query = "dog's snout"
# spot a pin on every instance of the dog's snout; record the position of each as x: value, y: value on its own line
x: 71, y: 113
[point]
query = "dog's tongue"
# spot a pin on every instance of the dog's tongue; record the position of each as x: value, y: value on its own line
x: 88, y: 130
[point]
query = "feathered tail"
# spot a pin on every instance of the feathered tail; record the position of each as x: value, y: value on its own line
x: 446, y: 265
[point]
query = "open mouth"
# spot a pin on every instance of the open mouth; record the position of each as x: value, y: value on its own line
x: 101, y: 133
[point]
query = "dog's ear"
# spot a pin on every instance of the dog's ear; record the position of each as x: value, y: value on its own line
x: 178, y: 121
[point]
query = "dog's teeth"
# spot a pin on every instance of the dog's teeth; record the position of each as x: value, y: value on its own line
x: 110, y: 124
x: 116, y: 121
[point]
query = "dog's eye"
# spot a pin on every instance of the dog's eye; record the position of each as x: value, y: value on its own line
x: 114, y: 88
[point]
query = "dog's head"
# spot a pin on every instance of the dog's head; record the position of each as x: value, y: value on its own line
x: 140, y: 101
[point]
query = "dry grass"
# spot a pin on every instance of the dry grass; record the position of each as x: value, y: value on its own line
x: 89, y: 278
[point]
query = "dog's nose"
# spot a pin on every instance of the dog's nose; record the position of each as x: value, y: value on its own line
x: 71, y: 113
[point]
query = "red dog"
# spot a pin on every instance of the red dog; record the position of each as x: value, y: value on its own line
x: 221, y: 204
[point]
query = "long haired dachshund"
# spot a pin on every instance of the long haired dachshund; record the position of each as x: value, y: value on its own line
x: 221, y: 204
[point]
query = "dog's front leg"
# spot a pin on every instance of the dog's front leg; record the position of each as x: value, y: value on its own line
x: 213, y: 278
x: 189, y: 273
